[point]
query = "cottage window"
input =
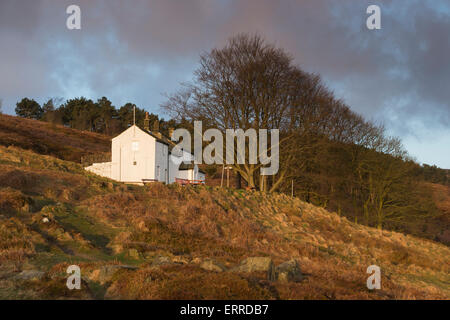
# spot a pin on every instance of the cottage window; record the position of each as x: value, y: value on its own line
x: 135, y: 146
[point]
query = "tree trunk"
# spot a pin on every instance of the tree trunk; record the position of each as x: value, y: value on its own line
x: 238, y: 180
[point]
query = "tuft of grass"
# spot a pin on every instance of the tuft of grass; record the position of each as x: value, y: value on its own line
x: 16, y: 241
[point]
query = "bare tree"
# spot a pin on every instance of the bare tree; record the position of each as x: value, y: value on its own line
x: 247, y: 84
x: 252, y: 84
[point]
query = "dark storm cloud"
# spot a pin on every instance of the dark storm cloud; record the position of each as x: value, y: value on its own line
x: 137, y: 50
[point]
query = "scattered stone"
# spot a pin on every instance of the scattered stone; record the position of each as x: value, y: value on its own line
x: 181, y: 259
x: 289, y: 271
x: 105, y: 273
x: 30, y: 275
x: 212, y: 265
x: 197, y: 260
x: 63, y: 236
x: 59, y: 231
x: 133, y: 253
x: 161, y: 261
x: 257, y: 264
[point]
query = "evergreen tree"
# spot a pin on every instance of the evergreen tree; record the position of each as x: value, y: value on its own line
x: 29, y: 109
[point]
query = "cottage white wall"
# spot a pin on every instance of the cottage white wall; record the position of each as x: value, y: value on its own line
x: 115, y: 158
x: 173, y: 168
x: 185, y: 174
x: 102, y: 169
x: 161, y: 162
x: 175, y: 160
x: 152, y: 160
x: 123, y: 156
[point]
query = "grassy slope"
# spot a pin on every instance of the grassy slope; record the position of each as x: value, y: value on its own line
x: 95, y: 222
x: 441, y: 196
x: 70, y: 144
x: 45, y: 138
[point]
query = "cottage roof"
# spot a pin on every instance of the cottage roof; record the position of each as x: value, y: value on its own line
x: 161, y: 139
x: 189, y: 166
x: 186, y: 166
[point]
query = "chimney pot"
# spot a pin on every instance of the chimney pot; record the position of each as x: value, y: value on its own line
x: 146, y: 122
x: 156, y: 126
x: 155, y: 129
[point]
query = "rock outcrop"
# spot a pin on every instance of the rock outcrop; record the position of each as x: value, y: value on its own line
x: 105, y: 273
x: 212, y: 265
x: 288, y: 271
x: 30, y: 275
x: 257, y: 264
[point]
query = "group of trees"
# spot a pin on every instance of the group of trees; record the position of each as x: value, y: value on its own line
x: 434, y: 174
x: 84, y: 114
x: 332, y: 155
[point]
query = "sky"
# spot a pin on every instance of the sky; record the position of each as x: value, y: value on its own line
x: 139, y: 51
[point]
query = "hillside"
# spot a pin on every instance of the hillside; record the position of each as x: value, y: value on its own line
x: 46, y: 138
x: 54, y: 214
x: 441, y: 196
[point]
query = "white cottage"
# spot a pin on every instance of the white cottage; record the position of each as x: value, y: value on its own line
x: 140, y: 156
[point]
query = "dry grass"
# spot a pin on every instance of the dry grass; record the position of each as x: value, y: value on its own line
x: 333, y: 251
x: 55, y: 140
x: 441, y: 195
x: 185, y: 282
x: 439, y: 225
x: 96, y: 222
x: 12, y: 200
x: 15, y: 241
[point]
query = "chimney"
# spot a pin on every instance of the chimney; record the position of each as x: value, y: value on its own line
x: 146, y: 122
x: 171, y: 130
x: 155, y: 129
